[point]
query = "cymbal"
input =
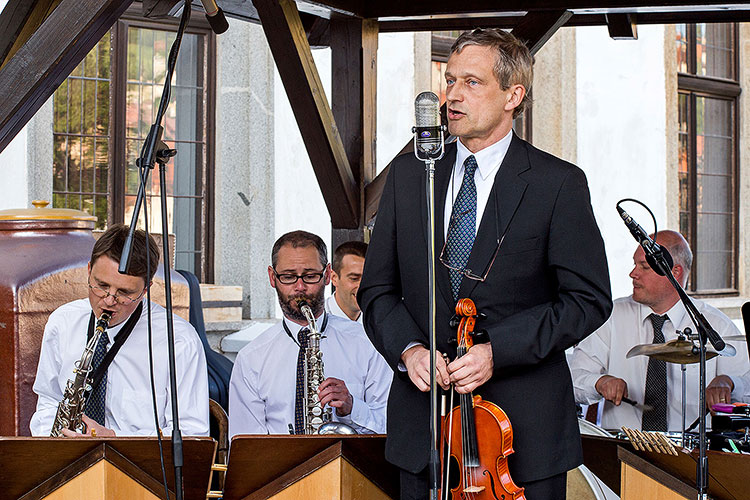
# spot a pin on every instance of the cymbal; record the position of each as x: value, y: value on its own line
x: 736, y: 338
x: 674, y: 351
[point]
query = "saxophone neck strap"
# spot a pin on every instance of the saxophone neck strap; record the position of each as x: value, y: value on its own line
x: 120, y: 339
x: 289, y: 333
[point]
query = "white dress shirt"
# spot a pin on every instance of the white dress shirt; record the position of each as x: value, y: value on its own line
x: 488, y: 163
x: 263, y: 384
x: 128, y: 405
x: 332, y: 307
x: 603, y: 352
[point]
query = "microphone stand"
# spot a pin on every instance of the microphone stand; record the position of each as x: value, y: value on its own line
x: 429, y: 162
x: 705, y: 331
x: 154, y: 149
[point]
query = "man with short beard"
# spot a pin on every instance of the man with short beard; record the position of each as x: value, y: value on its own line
x: 263, y: 392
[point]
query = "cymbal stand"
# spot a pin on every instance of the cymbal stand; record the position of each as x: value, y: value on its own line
x: 705, y: 333
x: 683, y: 368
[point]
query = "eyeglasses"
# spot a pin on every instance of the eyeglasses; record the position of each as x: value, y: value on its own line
x: 123, y: 300
x: 468, y: 272
x: 291, y: 279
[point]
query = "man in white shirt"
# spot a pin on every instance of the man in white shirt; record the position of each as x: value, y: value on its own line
x: 265, y: 391
x: 121, y: 404
x: 600, y: 369
x: 348, y: 261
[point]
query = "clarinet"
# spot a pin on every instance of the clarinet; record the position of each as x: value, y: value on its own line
x: 70, y: 410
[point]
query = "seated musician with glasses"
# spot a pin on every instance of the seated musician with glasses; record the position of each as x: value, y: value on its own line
x: 267, y: 388
x: 120, y: 402
x: 642, y: 392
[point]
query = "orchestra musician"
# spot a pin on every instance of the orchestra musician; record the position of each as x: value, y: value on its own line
x: 121, y: 404
x: 602, y: 372
x: 346, y: 274
x: 267, y: 372
x: 516, y: 233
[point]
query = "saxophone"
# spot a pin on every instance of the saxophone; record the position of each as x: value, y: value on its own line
x: 316, y: 418
x: 70, y: 410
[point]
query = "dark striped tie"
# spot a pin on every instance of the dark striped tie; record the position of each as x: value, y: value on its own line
x: 656, y: 384
x: 97, y: 398
x: 462, y: 225
x: 299, y: 398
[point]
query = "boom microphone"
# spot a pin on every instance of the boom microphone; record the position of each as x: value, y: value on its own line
x: 652, y: 249
x: 429, y: 140
x: 215, y: 16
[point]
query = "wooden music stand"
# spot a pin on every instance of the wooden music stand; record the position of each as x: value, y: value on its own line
x: 298, y: 467
x: 645, y: 474
x: 94, y: 468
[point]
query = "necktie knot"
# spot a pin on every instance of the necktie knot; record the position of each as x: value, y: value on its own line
x: 470, y: 166
x: 658, y: 323
x: 303, y: 337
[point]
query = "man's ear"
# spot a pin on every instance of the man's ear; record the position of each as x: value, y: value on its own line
x: 327, y: 274
x: 271, y: 277
x: 515, y: 95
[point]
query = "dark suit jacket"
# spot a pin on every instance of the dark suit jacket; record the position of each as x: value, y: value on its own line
x: 547, y: 289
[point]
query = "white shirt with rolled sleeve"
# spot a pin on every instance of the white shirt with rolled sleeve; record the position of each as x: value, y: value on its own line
x: 603, y: 353
x: 128, y: 406
x: 263, y: 384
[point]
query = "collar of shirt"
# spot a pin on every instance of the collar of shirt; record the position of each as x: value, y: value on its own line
x: 488, y: 160
x: 294, y: 328
x: 676, y: 314
x: 335, y: 309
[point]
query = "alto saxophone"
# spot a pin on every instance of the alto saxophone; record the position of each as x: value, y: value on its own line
x: 317, y: 419
x: 70, y: 410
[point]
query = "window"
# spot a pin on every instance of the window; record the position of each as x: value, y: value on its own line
x: 103, y: 113
x: 707, y: 135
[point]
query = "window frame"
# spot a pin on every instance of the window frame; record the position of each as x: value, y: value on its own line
x: 694, y: 86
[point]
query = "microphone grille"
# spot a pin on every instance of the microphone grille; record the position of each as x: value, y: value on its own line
x: 427, y: 110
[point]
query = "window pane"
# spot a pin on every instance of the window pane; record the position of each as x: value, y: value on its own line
x: 183, y: 131
x: 682, y: 44
x: 81, y: 136
x: 714, y: 257
x: 714, y: 123
x: 715, y: 50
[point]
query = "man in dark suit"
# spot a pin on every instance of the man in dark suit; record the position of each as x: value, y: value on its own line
x: 518, y: 236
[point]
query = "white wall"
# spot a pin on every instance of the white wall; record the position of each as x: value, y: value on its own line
x: 14, y: 190
x: 622, y: 135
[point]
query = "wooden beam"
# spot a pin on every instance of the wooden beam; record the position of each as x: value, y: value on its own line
x: 31, y: 76
x: 537, y: 27
x: 18, y: 21
x: 291, y: 51
x: 622, y: 26
x: 354, y: 46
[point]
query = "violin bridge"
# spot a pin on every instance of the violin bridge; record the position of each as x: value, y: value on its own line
x: 474, y: 489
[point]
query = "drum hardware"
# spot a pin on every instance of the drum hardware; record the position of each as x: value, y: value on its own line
x: 682, y: 350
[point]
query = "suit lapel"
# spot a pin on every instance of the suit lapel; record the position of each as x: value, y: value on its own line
x: 443, y: 169
x: 507, y: 192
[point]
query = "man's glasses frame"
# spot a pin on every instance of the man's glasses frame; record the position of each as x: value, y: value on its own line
x: 121, y: 299
x: 468, y: 273
x: 307, y: 278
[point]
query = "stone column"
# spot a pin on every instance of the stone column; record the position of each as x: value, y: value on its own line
x: 244, y: 180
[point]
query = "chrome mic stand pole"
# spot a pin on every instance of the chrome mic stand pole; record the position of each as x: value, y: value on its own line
x: 434, y: 462
x: 429, y: 159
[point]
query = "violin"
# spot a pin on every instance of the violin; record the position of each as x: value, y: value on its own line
x: 476, y: 437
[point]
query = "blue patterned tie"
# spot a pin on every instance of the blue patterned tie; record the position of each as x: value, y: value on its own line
x: 656, y: 384
x: 95, y: 403
x: 462, y: 226
x: 299, y: 398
